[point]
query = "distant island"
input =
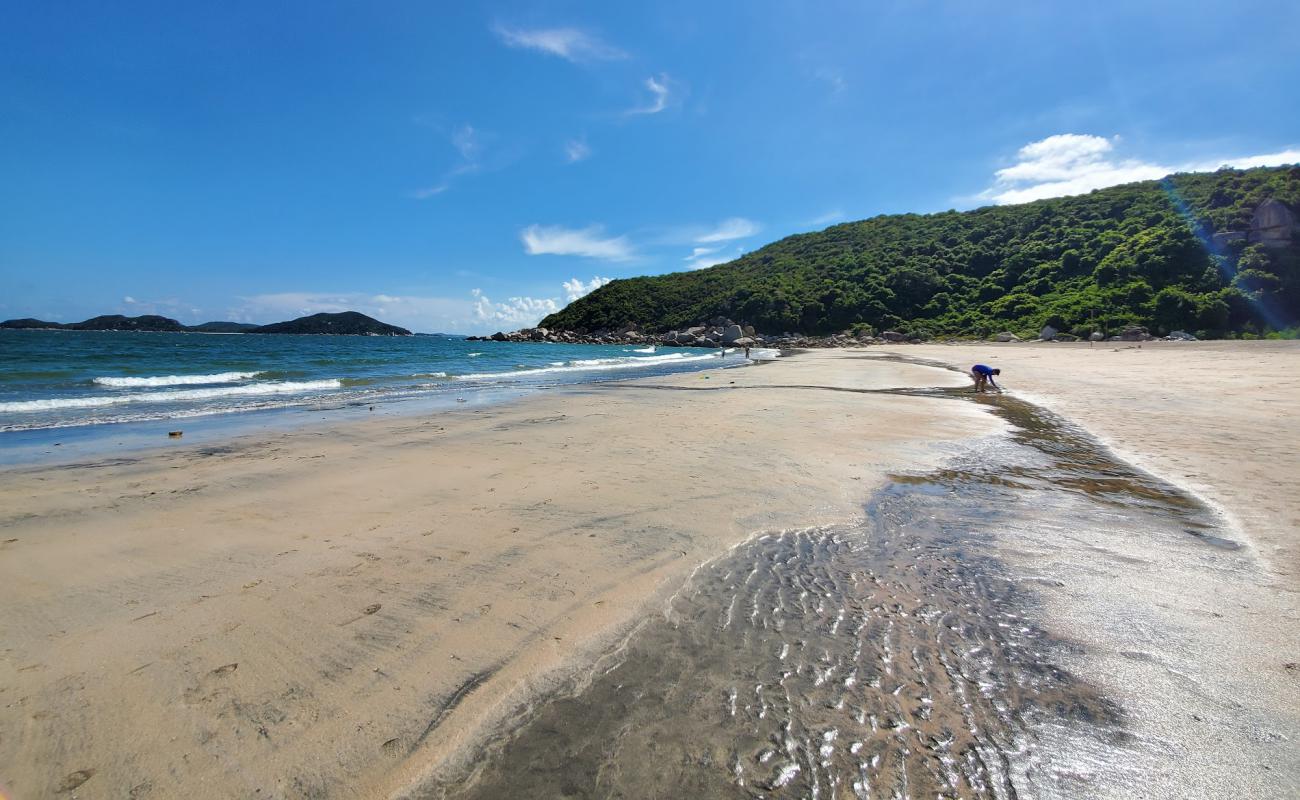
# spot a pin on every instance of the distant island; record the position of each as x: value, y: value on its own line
x: 347, y: 323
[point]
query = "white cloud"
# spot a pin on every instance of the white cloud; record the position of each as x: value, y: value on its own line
x: 570, y: 44
x: 587, y: 242
x: 577, y: 150
x: 728, y: 229
x: 658, y: 87
x: 430, y: 191
x: 705, y: 257
x: 517, y: 311
x: 129, y: 300
x: 575, y: 288
x: 1071, y: 163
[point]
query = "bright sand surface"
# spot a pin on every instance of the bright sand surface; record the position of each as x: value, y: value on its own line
x: 1221, y: 419
x: 338, y: 610
x: 334, y: 611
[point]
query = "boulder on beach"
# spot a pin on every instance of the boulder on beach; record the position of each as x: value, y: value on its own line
x: 892, y: 336
x: 1133, y: 333
x: 731, y: 333
x: 1006, y: 336
x: 1097, y: 336
x: 1048, y: 333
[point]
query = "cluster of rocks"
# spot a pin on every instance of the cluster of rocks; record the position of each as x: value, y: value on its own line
x: 722, y: 332
x: 1132, y: 333
x: 718, y: 332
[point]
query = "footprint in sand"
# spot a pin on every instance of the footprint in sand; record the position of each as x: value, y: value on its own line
x: 73, y: 780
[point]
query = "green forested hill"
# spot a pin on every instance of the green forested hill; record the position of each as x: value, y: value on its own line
x: 1145, y: 253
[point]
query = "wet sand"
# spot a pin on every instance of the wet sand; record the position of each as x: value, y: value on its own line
x: 334, y: 612
x: 354, y: 610
x: 1215, y: 417
x: 1034, y: 619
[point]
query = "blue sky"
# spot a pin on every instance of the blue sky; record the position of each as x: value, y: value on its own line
x: 468, y: 168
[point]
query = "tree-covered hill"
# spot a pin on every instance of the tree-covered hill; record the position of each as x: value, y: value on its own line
x: 1179, y: 253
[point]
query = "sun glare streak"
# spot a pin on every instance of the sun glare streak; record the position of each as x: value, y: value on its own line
x: 1218, y: 255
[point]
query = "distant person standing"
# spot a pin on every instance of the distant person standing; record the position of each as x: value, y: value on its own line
x: 983, y: 376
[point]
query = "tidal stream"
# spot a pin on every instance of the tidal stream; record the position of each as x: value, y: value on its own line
x: 908, y: 657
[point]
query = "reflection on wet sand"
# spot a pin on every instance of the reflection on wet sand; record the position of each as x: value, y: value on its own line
x: 897, y: 659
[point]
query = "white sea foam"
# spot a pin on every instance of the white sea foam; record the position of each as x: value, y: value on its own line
x: 429, y: 375
x: 172, y: 396
x: 175, y: 380
x: 591, y: 365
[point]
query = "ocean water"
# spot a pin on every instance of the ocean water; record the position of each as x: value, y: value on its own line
x: 68, y: 379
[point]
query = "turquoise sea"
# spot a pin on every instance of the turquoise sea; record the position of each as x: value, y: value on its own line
x: 72, y: 379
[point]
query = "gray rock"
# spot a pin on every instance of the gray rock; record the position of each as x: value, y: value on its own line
x: 892, y: 336
x: 1181, y: 336
x: 1006, y: 336
x: 498, y: 337
x: 1096, y: 336
x: 1048, y: 333
x: 731, y: 333
x: 1273, y: 224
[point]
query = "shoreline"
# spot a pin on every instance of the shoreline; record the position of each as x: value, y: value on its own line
x: 505, y: 550
x: 146, y: 592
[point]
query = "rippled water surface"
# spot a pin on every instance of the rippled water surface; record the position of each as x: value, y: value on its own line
x: 903, y: 658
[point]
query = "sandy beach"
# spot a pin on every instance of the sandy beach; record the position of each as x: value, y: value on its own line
x: 346, y: 609
x: 329, y: 612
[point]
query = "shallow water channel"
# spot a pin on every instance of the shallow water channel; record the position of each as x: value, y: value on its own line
x: 903, y: 658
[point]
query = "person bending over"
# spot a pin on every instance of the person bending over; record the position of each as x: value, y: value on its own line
x: 983, y: 376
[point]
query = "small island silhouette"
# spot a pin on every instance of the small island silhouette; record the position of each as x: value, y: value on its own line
x: 346, y: 323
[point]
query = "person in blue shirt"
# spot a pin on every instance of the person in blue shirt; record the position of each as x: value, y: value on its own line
x: 983, y: 376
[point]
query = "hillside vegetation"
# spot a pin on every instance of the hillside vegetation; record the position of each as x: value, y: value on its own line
x: 1140, y: 254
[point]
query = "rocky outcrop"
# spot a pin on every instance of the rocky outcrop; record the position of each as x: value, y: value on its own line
x: 1006, y: 336
x: 1133, y: 333
x: 719, y: 332
x: 1273, y: 224
x: 1048, y: 333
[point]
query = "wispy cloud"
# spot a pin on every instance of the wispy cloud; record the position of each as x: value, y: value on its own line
x: 705, y: 257
x: 468, y: 143
x: 575, y: 287
x: 576, y: 150
x: 729, y: 229
x: 1072, y: 163
x: 832, y: 77
x: 658, y: 86
x: 571, y: 44
x: 829, y: 218
x: 590, y: 242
